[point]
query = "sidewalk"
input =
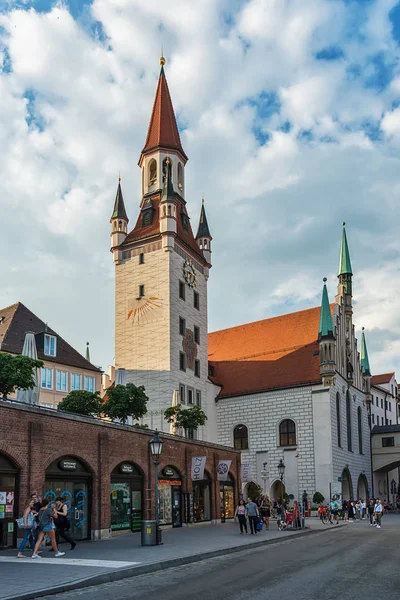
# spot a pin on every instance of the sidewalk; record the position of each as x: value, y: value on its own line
x: 92, y: 563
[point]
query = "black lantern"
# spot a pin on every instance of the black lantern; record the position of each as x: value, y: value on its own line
x: 281, y: 469
x: 156, y: 445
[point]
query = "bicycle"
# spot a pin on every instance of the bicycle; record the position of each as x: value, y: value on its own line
x: 327, y: 518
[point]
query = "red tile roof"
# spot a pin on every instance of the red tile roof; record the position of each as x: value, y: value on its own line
x: 383, y: 378
x: 163, y: 130
x: 280, y: 352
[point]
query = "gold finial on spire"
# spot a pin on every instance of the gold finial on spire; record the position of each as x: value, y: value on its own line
x: 202, y: 197
x: 162, y: 59
x: 119, y: 176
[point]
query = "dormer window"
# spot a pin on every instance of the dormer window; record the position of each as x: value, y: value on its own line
x: 50, y: 345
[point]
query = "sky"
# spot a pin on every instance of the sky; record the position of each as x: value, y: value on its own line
x: 289, y: 112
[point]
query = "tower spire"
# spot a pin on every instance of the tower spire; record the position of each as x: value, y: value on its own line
x: 344, y: 261
x: 364, y: 356
x: 163, y: 130
x: 119, y: 211
x: 168, y: 194
x: 203, y: 230
x: 325, y: 321
x: 87, y: 351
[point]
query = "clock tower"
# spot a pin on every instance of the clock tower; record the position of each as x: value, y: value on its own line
x: 161, y: 274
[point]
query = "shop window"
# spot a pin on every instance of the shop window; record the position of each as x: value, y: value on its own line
x: 126, y: 497
x: 240, y: 437
x: 287, y: 433
x: 201, y: 500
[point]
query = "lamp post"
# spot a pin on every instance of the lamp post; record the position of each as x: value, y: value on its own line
x: 281, y: 472
x: 156, y: 445
x: 264, y: 475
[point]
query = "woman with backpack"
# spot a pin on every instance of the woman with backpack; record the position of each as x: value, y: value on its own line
x: 46, y: 526
x: 28, y: 524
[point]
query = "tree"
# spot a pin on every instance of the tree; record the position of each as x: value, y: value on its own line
x: 17, y: 372
x: 190, y: 419
x: 123, y: 401
x: 318, y: 498
x: 254, y: 491
x: 82, y: 402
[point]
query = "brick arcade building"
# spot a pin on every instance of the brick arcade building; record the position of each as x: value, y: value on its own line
x: 106, y: 472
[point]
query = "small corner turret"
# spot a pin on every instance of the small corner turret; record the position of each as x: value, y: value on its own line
x: 168, y: 207
x: 365, y: 368
x: 327, y: 342
x: 119, y: 223
x: 203, y: 236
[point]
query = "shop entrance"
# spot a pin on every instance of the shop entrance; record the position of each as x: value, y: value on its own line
x: 8, y: 502
x: 70, y: 479
x: 227, y: 498
x: 202, y: 499
x: 169, y: 486
x: 126, y: 494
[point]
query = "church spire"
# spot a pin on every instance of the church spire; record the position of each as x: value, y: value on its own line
x: 344, y: 261
x: 364, y: 356
x: 203, y: 230
x: 325, y: 321
x: 163, y: 131
x: 168, y: 194
x: 119, y: 211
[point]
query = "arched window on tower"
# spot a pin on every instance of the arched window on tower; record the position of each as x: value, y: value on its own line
x: 152, y: 171
x: 240, y: 437
x: 338, y: 421
x: 348, y: 421
x: 287, y: 433
x: 360, y: 436
x: 180, y: 177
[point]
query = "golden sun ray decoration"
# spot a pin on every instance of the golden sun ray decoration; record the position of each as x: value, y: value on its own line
x: 144, y: 309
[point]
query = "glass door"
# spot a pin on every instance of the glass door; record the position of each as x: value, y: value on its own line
x: 76, y: 497
x: 176, y: 506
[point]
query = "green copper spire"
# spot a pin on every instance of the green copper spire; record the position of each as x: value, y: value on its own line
x: 119, y: 211
x: 87, y: 352
x: 344, y: 262
x: 364, y: 355
x: 325, y: 320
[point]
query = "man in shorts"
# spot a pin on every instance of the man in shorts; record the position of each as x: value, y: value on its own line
x: 334, y: 510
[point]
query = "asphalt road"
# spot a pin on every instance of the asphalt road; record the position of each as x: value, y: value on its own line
x: 356, y: 562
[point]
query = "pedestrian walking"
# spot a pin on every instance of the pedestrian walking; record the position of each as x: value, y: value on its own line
x: 351, y: 510
x: 363, y: 508
x: 62, y: 523
x: 252, y: 514
x: 371, y: 507
x: 240, y: 513
x: 265, y: 510
x: 46, y: 526
x: 345, y: 510
x: 378, y: 513
x: 37, y: 505
x: 358, y: 510
x: 29, y: 519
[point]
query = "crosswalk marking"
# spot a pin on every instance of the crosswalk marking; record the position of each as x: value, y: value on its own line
x: 77, y: 562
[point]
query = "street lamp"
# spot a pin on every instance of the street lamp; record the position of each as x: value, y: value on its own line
x: 264, y: 475
x: 281, y: 472
x: 156, y: 445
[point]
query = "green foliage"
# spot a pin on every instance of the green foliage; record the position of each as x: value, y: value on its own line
x: 139, y: 426
x: 82, y: 402
x: 254, y: 491
x: 123, y: 401
x: 17, y: 372
x: 187, y: 418
x: 318, y: 498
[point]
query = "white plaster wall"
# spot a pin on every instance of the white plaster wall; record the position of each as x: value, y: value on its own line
x: 321, y: 400
x: 262, y: 413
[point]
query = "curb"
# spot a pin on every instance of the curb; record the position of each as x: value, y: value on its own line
x: 119, y: 574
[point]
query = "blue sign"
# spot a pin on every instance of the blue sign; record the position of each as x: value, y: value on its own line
x: 369, y: 489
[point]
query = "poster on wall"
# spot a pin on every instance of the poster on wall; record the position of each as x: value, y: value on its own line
x: 3, y: 497
x: 10, y: 497
x: 198, y: 465
x: 246, y: 472
x: 223, y: 469
x: 9, y: 508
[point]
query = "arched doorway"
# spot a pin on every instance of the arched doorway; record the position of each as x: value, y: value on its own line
x: 227, y: 498
x: 126, y: 497
x: 170, y: 497
x: 70, y: 478
x: 9, y: 476
x: 362, y: 488
x: 347, y: 485
x: 277, y: 491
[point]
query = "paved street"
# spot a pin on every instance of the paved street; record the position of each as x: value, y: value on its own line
x: 351, y: 563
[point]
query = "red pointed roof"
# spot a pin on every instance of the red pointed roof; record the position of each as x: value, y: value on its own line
x: 382, y: 378
x: 163, y: 130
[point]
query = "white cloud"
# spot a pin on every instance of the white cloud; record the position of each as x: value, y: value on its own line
x: 74, y: 111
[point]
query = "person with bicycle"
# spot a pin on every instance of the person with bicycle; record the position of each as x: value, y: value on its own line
x: 322, y: 512
x: 334, y: 510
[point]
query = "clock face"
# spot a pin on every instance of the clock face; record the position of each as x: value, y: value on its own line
x: 144, y: 309
x: 189, y: 273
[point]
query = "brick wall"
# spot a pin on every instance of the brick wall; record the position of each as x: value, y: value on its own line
x: 34, y: 437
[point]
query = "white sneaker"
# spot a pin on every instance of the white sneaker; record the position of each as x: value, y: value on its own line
x: 35, y: 556
x: 378, y: 526
x: 59, y: 554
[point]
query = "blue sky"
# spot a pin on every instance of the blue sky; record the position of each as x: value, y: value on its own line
x: 290, y: 115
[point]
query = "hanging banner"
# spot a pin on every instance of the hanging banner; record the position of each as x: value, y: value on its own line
x: 223, y: 469
x: 246, y: 472
x: 198, y: 464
